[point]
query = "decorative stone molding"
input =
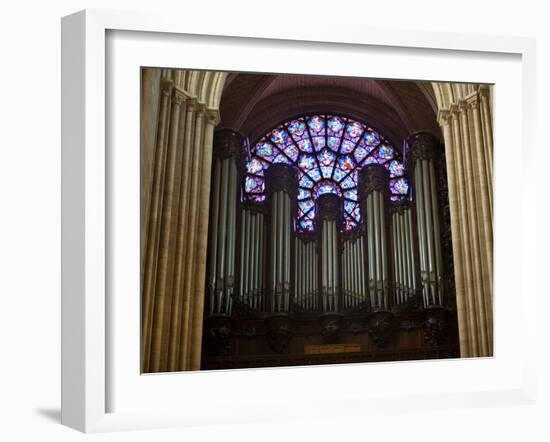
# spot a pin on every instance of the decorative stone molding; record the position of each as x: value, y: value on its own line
x: 218, y: 332
x: 373, y: 177
x: 278, y: 332
x: 436, y: 326
x: 380, y: 327
x: 331, y: 324
x: 281, y: 177
x: 166, y: 87
x: 422, y: 146
x: 399, y: 207
x: 227, y: 143
x: 329, y: 207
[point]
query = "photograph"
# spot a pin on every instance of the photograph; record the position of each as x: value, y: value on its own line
x: 301, y: 219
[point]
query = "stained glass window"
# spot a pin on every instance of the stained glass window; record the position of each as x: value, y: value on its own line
x: 328, y: 150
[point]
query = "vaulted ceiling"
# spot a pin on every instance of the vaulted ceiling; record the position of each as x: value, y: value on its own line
x: 252, y: 104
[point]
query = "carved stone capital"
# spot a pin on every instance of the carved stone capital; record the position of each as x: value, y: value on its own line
x: 278, y: 332
x: 444, y: 117
x: 380, y: 327
x: 436, y: 326
x: 399, y: 207
x: 329, y: 207
x: 227, y: 143
x: 373, y: 177
x: 422, y: 146
x: 178, y: 97
x: 166, y: 87
x: 282, y: 177
x: 218, y: 332
x: 212, y: 116
x: 473, y: 100
x: 484, y: 92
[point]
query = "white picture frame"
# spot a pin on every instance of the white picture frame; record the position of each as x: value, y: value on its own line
x: 88, y: 323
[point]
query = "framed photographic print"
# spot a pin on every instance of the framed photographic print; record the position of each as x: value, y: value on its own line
x: 261, y: 226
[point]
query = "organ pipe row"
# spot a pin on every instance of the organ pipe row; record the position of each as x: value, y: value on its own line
x: 377, y: 250
x: 305, y: 283
x: 353, y: 273
x: 280, y: 233
x: 251, y: 274
x: 390, y: 260
x: 404, y: 265
x: 428, y: 232
x: 223, y: 234
x: 329, y: 266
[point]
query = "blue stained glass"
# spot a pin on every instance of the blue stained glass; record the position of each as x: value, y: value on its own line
x: 306, y: 182
x: 354, y: 130
x: 279, y: 136
x: 297, y: 128
x: 347, y: 146
x: 315, y: 174
x: 351, y: 194
x: 326, y: 187
x: 335, y: 125
x: 346, y: 163
x: 349, y: 224
x: 306, y: 224
x: 306, y: 162
x: 372, y: 139
x: 327, y: 171
x: 338, y: 175
x: 334, y: 143
x: 385, y: 152
x: 255, y: 166
x: 303, y: 194
x: 396, y: 168
x: 291, y: 151
x: 371, y: 160
x: 257, y: 198
x: 341, y: 145
x: 253, y: 185
x: 326, y: 157
x: 265, y: 150
x: 348, y: 206
x: 304, y: 206
x: 318, y: 143
x: 360, y: 153
x: 305, y: 145
x: 347, y: 183
x: 316, y: 124
x: 281, y: 159
x: 356, y: 213
x: 400, y: 186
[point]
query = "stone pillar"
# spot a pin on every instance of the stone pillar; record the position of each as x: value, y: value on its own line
x: 468, y: 144
x: 175, y: 243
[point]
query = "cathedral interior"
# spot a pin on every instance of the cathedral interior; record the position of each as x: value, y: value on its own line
x: 300, y: 219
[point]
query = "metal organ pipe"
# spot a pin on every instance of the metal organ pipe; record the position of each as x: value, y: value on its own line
x: 423, y: 150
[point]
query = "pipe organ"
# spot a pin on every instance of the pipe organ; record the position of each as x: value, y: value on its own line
x: 282, y: 192
x: 354, y: 277
x: 423, y: 152
x: 403, y: 256
x: 251, y: 271
x: 262, y: 266
x: 305, y: 270
x: 329, y: 212
x: 374, y: 185
x: 223, y: 208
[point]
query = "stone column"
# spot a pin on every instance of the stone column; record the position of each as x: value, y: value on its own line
x: 468, y: 145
